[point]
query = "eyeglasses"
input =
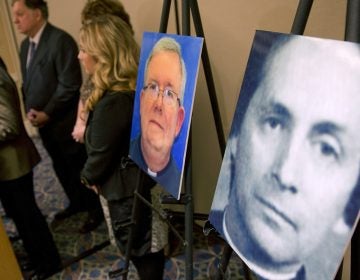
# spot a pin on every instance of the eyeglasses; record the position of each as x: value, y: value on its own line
x: 170, y: 97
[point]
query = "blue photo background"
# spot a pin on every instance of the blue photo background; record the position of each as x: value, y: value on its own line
x: 191, y: 52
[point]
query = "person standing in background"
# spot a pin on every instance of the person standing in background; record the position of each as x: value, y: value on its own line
x: 51, y: 82
x: 18, y: 156
x: 94, y: 8
x: 109, y: 54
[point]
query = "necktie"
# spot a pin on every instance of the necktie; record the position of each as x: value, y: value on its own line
x: 31, y: 53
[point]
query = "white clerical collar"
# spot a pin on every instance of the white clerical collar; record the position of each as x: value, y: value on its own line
x: 258, y: 270
x: 151, y: 173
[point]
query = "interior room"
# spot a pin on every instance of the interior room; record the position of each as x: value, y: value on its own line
x: 229, y: 28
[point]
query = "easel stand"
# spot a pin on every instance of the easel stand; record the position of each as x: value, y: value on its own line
x: 352, y: 33
x: 131, y: 224
x: 140, y: 200
x: 187, y: 7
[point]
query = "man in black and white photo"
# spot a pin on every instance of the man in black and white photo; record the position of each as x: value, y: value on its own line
x: 288, y: 189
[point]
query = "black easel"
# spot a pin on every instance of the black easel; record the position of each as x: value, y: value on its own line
x: 186, y: 199
x: 352, y: 34
x: 131, y: 223
x: 187, y: 6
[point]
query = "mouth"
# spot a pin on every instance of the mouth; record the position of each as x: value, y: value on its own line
x: 278, y: 213
x: 157, y: 124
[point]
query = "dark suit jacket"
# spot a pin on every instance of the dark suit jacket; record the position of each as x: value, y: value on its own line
x: 52, y: 82
x: 107, y: 137
x: 18, y: 154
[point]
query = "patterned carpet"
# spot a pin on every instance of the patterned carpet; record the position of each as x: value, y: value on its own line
x: 89, y: 256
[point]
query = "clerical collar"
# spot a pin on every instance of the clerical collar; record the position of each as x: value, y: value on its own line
x: 151, y: 173
x: 258, y: 270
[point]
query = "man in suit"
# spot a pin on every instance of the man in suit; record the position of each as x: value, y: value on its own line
x: 18, y: 156
x: 51, y: 82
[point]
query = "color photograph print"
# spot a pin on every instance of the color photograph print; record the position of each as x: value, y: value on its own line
x: 168, y: 70
x: 287, y: 197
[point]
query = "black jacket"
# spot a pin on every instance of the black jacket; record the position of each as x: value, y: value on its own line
x: 107, y: 137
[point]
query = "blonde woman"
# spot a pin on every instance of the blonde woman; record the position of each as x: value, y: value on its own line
x: 110, y: 55
x: 95, y: 8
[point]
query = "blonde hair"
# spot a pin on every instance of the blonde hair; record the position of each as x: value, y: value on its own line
x: 109, y: 40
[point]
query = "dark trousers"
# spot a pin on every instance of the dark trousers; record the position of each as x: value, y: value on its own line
x: 150, y: 266
x: 68, y: 158
x: 17, y: 197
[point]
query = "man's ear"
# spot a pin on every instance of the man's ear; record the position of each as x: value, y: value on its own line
x: 37, y: 14
x: 180, y: 120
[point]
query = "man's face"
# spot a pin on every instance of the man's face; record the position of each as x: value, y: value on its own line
x: 25, y: 19
x: 160, y: 122
x: 298, y: 154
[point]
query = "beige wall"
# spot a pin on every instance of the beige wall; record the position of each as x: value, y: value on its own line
x: 229, y: 27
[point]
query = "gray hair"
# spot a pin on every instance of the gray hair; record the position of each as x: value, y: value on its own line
x: 168, y: 44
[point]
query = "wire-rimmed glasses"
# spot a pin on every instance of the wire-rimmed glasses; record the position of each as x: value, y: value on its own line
x: 170, y: 97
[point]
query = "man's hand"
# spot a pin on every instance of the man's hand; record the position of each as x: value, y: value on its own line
x: 37, y: 118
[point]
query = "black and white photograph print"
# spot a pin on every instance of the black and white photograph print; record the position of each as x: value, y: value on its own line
x: 287, y: 197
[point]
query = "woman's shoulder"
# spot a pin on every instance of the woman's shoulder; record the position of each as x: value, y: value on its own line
x: 111, y: 98
x: 120, y: 94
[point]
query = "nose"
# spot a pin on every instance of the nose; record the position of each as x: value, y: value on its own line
x: 159, y: 99
x: 286, y: 169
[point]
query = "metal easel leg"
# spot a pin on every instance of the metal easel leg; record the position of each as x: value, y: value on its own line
x: 352, y: 34
x: 301, y: 17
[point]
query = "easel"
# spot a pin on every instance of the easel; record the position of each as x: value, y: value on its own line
x: 131, y: 223
x: 186, y: 199
x: 352, y: 33
x: 187, y: 7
